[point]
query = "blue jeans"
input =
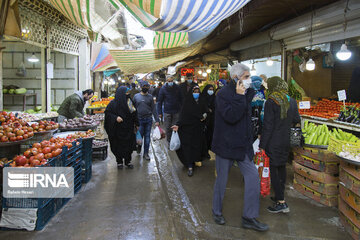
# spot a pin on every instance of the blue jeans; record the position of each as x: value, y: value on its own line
x: 145, y: 130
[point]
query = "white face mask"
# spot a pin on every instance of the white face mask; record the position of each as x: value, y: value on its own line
x: 247, y: 83
x: 210, y: 92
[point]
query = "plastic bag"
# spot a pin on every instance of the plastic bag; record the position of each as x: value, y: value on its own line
x: 156, y: 134
x: 138, y: 138
x: 263, y: 165
x: 174, y: 141
x: 256, y: 146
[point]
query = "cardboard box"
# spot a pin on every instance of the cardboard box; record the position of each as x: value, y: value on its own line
x: 349, y: 181
x: 350, y: 227
x: 350, y: 213
x: 314, y: 175
x: 349, y: 197
x: 352, y: 169
x: 323, y: 188
x: 318, y: 165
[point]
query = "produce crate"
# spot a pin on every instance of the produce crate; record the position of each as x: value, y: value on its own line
x: 349, y: 181
x: 323, y: 188
x: 320, y: 165
x: 102, y: 151
x: 351, y: 169
x: 87, y: 152
x: 350, y: 227
x: 44, y: 214
x: 314, y: 175
x: 319, y: 154
x: 328, y: 200
x: 350, y: 198
x: 338, y: 146
x: 58, y: 204
x: 349, y: 212
x: 87, y: 174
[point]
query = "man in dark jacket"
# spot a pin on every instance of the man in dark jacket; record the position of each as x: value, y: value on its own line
x: 156, y: 91
x: 187, y: 85
x: 73, y: 105
x: 232, y: 141
x: 170, y: 97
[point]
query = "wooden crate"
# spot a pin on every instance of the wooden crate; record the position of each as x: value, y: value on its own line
x: 349, y: 212
x: 350, y: 227
x: 318, y: 165
x: 349, y: 197
x: 350, y: 181
x: 328, y: 200
x: 322, y: 155
x: 314, y: 175
x: 323, y: 188
x: 351, y: 169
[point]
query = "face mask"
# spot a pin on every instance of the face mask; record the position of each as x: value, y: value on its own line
x: 170, y: 84
x: 247, y: 83
x: 189, y: 80
x: 196, y: 95
x: 210, y: 92
x: 144, y: 90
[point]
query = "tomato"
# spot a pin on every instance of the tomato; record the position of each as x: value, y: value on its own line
x: 34, y: 151
x: 53, y: 140
x: 27, y: 153
x: 12, y: 139
x: 26, y: 136
x: 46, y: 150
x: 48, y: 155
x: 36, y: 145
x: 45, y: 143
x: 19, y: 138
x: 35, y: 162
x: 40, y: 156
x: 57, y: 152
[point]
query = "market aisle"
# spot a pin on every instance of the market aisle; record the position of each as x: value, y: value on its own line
x: 115, y: 204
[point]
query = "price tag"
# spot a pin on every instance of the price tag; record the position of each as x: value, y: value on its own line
x: 304, y: 105
x: 341, y: 95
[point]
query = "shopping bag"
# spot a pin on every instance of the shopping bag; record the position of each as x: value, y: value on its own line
x: 162, y: 133
x: 263, y: 165
x: 156, y: 134
x: 174, y: 141
x: 256, y: 145
x: 138, y: 138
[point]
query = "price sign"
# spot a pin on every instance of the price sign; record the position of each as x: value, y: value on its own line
x: 304, y: 105
x: 341, y: 95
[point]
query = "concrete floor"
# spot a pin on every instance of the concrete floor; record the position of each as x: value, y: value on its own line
x: 156, y: 200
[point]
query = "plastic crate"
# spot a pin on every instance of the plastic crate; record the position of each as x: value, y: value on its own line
x: 58, y: 204
x: 87, y: 174
x: 44, y: 215
x: 25, y: 202
x: 87, y: 151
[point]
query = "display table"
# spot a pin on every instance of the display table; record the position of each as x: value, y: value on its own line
x: 24, y: 98
x: 331, y: 123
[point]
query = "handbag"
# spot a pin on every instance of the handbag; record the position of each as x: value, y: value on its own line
x: 296, y: 137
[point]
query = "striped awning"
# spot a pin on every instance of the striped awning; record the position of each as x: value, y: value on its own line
x: 133, y: 62
x: 170, y: 40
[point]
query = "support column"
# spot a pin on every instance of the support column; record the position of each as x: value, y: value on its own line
x: 1, y: 80
x: 43, y: 81
x: 84, y: 65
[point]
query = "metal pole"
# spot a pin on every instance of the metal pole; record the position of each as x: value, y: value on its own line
x: 43, y: 80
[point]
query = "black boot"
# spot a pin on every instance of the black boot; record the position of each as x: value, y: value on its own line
x: 252, y: 223
x: 190, y: 172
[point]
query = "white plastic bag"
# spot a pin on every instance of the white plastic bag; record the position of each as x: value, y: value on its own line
x: 19, y: 218
x: 174, y: 141
x: 256, y: 146
x: 156, y: 134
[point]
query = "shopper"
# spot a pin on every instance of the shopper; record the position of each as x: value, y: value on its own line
x: 191, y: 129
x: 156, y: 91
x: 233, y: 142
x: 354, y: 87
x: 264, y: 82
x: 73, y: 105
x: 188, y: 85
x: 121, y: 123
x: 146, y: 108
x: 257, y: 104
x: 281, y: 113
x: 133, y: 90
x: 209, y: 97
x: 170, y: 98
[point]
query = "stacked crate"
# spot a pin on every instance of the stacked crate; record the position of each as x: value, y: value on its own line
x: 86, y: 164
x: 316, y: 174
x: 349, y: 200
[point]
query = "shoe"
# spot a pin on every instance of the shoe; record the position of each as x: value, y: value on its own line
x: 279, y: 207
x: 252, y: 223
x: 190, y: 172
x: 147, y: 157
x: 120, y: 166
x: 198, y: 164
x: 138, y: 149
x: 219, y: 219
x: 129, y: 166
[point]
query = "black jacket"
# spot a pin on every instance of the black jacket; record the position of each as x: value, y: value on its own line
x: 232, y: 132
x: 275, y: 137
x: 171, y: 98
x: 185, y: 89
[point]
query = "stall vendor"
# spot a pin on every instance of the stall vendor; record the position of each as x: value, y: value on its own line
x: 73, y: 105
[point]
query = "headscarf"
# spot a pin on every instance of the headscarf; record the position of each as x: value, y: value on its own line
x: 256, y: 82
x: 278, y: 92
x: 122, y: 102
x: 209, y: 98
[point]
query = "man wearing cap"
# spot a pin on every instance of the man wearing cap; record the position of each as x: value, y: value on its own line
x: 170, y: 97
x: 187, y: 85
x: 145, y: 106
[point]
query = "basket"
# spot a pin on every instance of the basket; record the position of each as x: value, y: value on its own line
x: 296, y: 137
x: 338, y: 146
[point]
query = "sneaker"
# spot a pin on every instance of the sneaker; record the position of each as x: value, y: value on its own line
x: 279, y: 207
x: 219, y: 219
x: 129, y: 166
x: 252, y: 223
x: 190, y: 172
x: 120, y: 166
x: 147, y: 157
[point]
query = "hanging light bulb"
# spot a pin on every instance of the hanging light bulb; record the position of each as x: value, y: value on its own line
x: 343, y: 54
x: 33, y: 58
x: 269, y: 62
x: 200, y: 72
x: 204, y: 74
x: 123, y: 80
x: 310, y: 65
x: 253, y: 70
x: 208, y: 70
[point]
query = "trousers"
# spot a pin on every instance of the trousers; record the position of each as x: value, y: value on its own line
x: 252, y: 186
x: 169, y: 121
x: 145, y: 130
x: 278, y: 179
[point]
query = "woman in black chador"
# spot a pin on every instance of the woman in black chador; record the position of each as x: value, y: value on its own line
x: 120, y: 124
x: 208, y: 96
